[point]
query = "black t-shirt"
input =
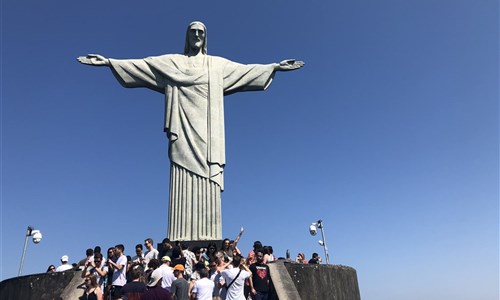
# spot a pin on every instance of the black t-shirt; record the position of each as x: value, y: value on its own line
x: 164, y: 252
x: 313, y: 261
x: 178, y: 261
x: 134, y: 287
x: 260, y: 277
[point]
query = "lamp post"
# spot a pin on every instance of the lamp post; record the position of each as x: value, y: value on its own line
x: 313, y: 230
x: 37, y: 237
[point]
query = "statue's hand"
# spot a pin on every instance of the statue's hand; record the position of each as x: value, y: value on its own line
x: 94, y: 60
x: 290, y: 64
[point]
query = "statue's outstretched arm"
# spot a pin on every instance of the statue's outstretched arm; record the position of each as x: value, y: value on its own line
x: 94, y: 60
x: 289, y: 65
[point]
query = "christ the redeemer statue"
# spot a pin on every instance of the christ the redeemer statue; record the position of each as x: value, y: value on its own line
x: 194, y: 85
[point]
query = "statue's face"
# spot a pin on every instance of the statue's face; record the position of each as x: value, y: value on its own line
x: 196, y: 36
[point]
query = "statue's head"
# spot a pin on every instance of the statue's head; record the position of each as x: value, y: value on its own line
x: 196, y: 37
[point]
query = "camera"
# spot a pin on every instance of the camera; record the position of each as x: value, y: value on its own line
x: 37, y: 236
x: 313, y: 230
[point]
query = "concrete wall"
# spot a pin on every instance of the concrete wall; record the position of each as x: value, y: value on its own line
x: 294, y: 281
x: 291, y: 281
x: 45, y: 286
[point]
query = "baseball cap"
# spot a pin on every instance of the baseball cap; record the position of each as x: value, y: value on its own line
x: 155, y: 277
x: 165, y: 258
x: 179, y: 267
x: 65, y: 258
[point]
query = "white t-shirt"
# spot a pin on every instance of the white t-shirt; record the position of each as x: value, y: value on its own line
x: 149, y: 256
x: 101, y: 280
x: 167, y: 276
x: 64, y: 267
x: 203, y: 289
x: 235, y: 291
x: 120, y: 276
x: 218, y: 279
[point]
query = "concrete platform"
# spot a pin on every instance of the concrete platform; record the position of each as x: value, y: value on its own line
x: 290, y: 281
x: 294, y: 281
x: 44, y: 286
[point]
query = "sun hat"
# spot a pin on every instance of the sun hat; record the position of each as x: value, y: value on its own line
x: 155, y: 277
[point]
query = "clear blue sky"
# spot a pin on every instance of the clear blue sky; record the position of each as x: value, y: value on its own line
x: 389, y: 134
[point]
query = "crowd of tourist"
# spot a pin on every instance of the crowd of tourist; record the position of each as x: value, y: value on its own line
x: 177, y: 272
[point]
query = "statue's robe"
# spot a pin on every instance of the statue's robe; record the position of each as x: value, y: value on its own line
x: 194, y: 123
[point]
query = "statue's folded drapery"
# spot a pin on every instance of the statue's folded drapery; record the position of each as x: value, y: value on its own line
x: 194, y: 123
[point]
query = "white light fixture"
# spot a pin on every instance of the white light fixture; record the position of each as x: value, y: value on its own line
x: 37, y: 238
